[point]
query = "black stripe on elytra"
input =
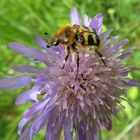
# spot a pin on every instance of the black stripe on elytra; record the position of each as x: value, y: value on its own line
x: 98, y: 40
x: 93, y: 30
x: 91, y: 40
x: 76, y: 26
x: 85, y: 27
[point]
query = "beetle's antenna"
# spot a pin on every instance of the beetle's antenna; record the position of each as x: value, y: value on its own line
x: 46, y: 33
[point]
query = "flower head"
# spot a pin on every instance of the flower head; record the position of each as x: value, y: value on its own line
x: 61, y: 102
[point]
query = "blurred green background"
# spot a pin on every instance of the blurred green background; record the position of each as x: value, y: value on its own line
x: 21, y: 21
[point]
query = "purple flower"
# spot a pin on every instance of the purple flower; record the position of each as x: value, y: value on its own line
x: 59, y: 101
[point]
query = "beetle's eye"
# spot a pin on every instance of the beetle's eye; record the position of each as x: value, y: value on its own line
x: 55, y: 43
x: 48, y: 46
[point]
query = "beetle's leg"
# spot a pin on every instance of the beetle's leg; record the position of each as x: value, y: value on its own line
x: 77, y: 59
x: 66, y: 57
x: 101, y: 57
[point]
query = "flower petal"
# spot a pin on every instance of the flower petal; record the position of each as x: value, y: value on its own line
x: 119, y: 45
x: 81, y: 135
x: 28, y: 69
x: 109, y: 127
x: 96, y: 23
x: 125, y: 55
x: 108, y: 42
x: 28, y: 51
x: 22, y: 123
x: 132, y: 82
x: 86, y: 20
x: 15, y: 82
x: 35, y: 108
x: 27, y: 96
x: 54, y: 133
x: 41, y: 42
x: 39, y: 122
x: 106, y: 33
x: 75, y: 19
x: 54, y: 126
x: 67, y: 131
x: 26, y: 134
